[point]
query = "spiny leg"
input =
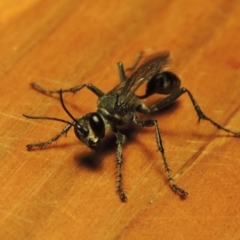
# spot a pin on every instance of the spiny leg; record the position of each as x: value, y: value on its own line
x: 171, y: 98
x: 151, y: 123
x: 41, y: 145
x: 91, y: 87
x: 120, y: 141
x: 136, y: 62
x: 122, y: 72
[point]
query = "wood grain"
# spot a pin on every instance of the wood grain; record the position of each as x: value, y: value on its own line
x: 55, y: 193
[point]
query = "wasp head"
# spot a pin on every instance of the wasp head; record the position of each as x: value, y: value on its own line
x: 90, y: 129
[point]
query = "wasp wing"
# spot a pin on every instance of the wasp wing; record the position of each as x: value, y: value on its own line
x: 144, y: 73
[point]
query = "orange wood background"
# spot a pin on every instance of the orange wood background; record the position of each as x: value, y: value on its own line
x: 53, y: 193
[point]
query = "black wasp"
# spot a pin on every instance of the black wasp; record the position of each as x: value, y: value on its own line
x: 120, y: 106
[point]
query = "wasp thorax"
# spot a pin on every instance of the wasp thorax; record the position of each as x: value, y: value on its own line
x: 90, y: 129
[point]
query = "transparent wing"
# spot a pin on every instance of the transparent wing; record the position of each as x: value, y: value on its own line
x: 143, y: 74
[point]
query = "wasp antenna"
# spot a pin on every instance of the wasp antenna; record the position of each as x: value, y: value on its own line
x: 65, y: 109
x: 48, y: 118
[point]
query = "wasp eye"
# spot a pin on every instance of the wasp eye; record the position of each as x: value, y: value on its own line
x: 97, y: 125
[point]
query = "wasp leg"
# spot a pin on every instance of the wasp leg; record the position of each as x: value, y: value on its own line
x: 154, y: 123
x: 41, y: 145
x: 91, y: 87
x: 121, y: 70
x: 171, y: 98
x: 137, y: 61
x: 120, y: 141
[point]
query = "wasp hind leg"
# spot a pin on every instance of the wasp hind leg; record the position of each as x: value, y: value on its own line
x: 201, y: 116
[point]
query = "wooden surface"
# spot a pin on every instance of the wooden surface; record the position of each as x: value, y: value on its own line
x: 54, y: 193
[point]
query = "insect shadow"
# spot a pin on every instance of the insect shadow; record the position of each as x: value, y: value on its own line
x: 121, y: 106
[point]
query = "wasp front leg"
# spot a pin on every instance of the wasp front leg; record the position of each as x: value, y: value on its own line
x: 120, y: 141
x: 91, y: 87
x: 41, y: 145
